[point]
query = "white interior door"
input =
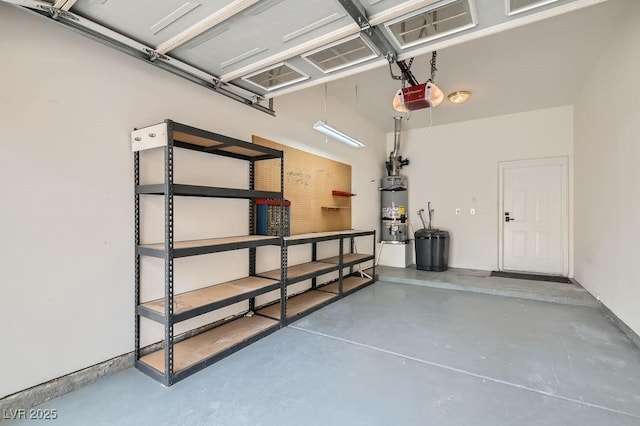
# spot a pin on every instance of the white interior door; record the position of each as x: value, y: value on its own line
x: 534, y: 216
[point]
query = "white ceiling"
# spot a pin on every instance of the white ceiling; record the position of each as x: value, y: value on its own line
x: 254, y: 50
x: 539, y: 65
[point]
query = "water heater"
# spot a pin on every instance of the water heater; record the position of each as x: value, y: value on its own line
x: 395, y: 200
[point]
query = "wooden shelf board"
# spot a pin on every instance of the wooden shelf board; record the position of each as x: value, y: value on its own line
x: 313, y: 235
x: 198, y: 348
x: 348, y: 284
x: 334, y: 207
x: 296, y: 271
x: 195, y: 140
x: 356, y: 231
x: 347, y: 258
x: 205, y: 191
x: 197, y: 298
x: 214, y: 142
x: 208, y: 242
x: 298, y: 304
x: 249, y: 152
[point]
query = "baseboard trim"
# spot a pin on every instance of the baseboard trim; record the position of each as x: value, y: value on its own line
x: 39, y: 394
x: 632, y: 335
x: 621, y: 325
x: 47, y: 391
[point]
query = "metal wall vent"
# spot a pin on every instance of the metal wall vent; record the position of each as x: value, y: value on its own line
x: 438, y: 20
x: 276, y: 76
x: 341, y: 54
x: 517, y: 6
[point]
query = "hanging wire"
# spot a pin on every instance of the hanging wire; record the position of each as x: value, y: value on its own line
x: 325, y: 102
x: 326, y: 138
x: 355, y: 106
x: 356, y: 109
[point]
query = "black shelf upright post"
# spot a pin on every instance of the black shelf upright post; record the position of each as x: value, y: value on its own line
x: 252, y: 231
x: 168, y: 257
x: 136, y: 173
x: 283, y: 252
x: 314, y: 257
x: 352, y: 244
x: 341, y: 263
x: 373, y: 270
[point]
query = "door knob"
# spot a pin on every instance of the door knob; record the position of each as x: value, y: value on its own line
x: 507, y: 218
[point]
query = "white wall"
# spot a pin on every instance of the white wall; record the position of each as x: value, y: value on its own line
x: 456, y: 166
x: 607, y: 174
x: 67, y: 106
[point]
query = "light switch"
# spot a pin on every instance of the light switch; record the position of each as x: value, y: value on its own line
x: 457, y: 212
x: 472, y: 211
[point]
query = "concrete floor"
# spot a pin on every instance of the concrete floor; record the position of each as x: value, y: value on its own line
x: 399, y: 354
x: 478, y: 281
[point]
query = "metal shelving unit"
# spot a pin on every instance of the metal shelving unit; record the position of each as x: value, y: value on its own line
x: 318, y: 296
x: 354, y: 280
x: 177, y: 357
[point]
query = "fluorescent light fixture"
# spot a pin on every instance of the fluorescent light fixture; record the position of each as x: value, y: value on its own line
x: 323, y: 127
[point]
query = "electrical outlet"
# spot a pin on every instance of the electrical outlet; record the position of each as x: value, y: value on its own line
x: 472, y: 211
x: 457, y: 212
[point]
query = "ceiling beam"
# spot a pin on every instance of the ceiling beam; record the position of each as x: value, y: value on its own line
x: 131, y: 47
x: 209, y: 22
x: 357, y: 12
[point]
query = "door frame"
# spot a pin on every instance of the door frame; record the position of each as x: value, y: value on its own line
x: 563, y: 162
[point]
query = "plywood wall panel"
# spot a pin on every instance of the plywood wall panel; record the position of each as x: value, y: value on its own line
x: 308, y: 182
